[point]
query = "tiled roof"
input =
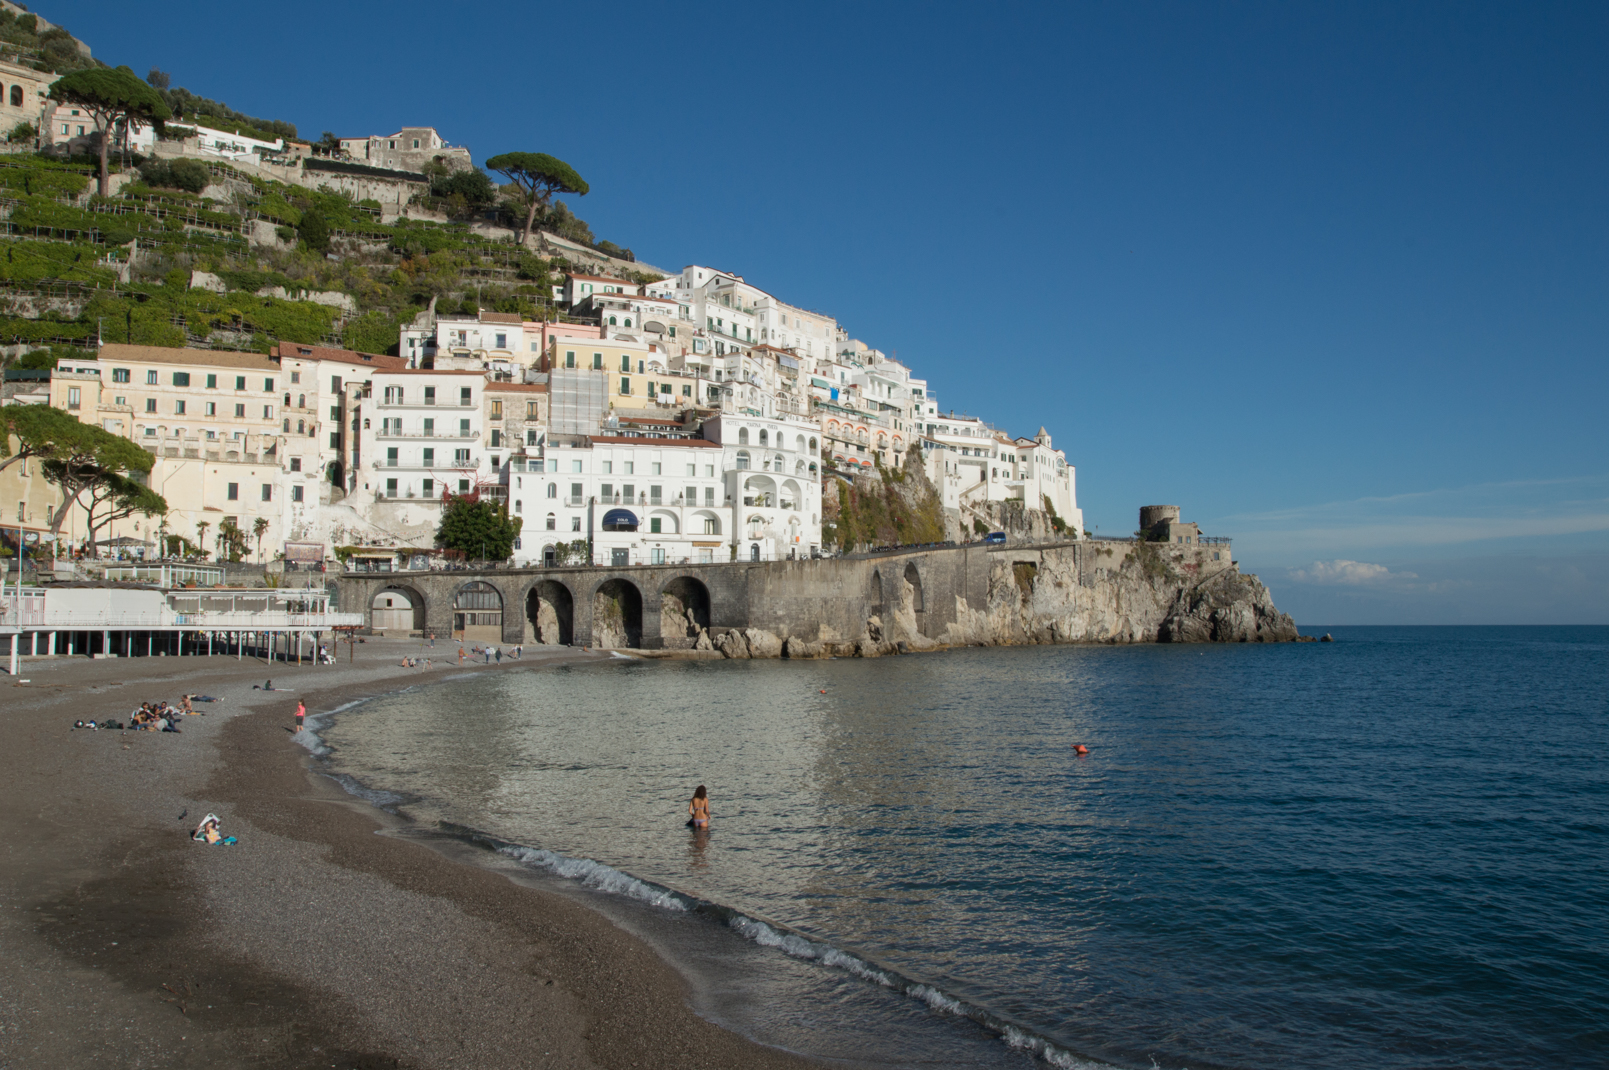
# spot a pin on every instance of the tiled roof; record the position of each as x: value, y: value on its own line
x: 117, y: 351
x: 631, y: 441
x: 295, y: 350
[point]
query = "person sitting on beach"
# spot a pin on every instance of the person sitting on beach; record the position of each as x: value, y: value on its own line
x: 699, y: 809
x: 209, y: 833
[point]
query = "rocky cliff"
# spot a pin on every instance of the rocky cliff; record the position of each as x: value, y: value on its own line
x: 1086, y: 592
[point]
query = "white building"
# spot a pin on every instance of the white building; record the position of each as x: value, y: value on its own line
x: 421, y: 436
x: 773, y: 479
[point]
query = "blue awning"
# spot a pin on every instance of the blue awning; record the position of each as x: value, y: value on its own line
x: 620, y: 520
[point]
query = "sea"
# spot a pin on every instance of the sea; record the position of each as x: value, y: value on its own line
x: 1386, y: 851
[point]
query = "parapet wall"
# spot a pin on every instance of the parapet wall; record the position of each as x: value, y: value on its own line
x: 1087, y: 591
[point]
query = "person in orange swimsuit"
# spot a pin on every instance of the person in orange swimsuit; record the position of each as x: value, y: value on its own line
x: 699, y: 809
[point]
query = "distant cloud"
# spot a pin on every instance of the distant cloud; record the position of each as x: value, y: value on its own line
x: 1348, y: 573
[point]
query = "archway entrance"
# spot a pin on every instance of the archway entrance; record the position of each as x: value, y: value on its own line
x: 876, y: 596
x: 550, y: 611
x: 684, y: 611
x: 397, y: 610
x: 913, y: 585
x: 478, y: 613
x: 617, y: 615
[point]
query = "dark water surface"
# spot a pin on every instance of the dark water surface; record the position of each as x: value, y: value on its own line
x: 1390, y: 851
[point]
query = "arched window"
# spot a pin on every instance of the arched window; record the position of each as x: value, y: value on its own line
x: 612, y: 321
x: 553, y: 490
x: 799, y: 445
x: 301, y: 401
x: 742, y: 436
x: 742, y: 458
x: 765, y: 437
x: 628, y: 321
x: 553, y: 522
x: 812, y: 444
x: 16, y: 96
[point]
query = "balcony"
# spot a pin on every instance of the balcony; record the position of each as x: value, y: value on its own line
x: 395, y: 432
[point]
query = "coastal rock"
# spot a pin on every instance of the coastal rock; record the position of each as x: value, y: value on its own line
x: 762, y: 644
x: 796, y: 648
x: 703, y: 640
x: 733, y: 645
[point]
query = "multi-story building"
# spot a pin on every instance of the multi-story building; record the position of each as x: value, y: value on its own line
x: 409, y: 149
x: 773, y: 480
x: 631, y: 500
x: 421, y: 436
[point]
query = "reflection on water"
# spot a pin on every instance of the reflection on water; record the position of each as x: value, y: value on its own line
x: 1269, y: 857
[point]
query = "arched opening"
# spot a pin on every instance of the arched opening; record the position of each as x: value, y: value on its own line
x: 742, y: 458
x: 663, y: 522
x: 478, y: 613
x: 765, y: 437
x: 612, y: 322
x: 706, y: 523
x: 16, y: 96
x: 628, y: 322
x: 397, y: 610
x: 617, y: 615
x: 553, y: 490
x: 684, y: 611
x: 876, y: 597
x: 550, y: 611
x: 913, y: 585
x: 742, y: 436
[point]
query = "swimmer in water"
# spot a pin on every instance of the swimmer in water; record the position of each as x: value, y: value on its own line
x: 699, y: 809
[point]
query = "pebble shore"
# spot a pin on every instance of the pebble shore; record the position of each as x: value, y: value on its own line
x: 324, y: 939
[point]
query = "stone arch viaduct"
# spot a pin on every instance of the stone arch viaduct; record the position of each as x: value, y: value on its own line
x: 671, y: 606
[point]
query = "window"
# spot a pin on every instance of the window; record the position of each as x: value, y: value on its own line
x: 625, y: 387
x: 428, y: 457
x: 743, y: 436
x: 240, y: 382
x: 628, y: 491
x: 629, y: 469
x: 430, y: 395
x: 463, y: 486
x: 119, y: 375
x: 212, y: 382
x: 268, y: 386
x: 597, y: 362
x: 234, y: 492
x: 150, y: 404
x: 673, y: 332
x: 120, y: 401
x: 427, y: 489
x: 653, y: 529
x: 742, y: 458
x: 74, y: 394
x: 178, y: 407
x: 16, y: 102
x: 692, y: 469
x: 461, y: 458
x: 296, y: 464
x: 709, y: 471
x: 391, y: 488
x: 181, y: 378
x: 150, y: 378
x: 391, y: 457
x: 625, y: 362
x: 709, y: 495
x: 430, y: 426
x: 575, y: 466
x: 463, y: 429
x: 210, y: 407
x: 712, y: 526
x: 335, y: 440
x: 606, y: 491
x: 301, y: 401
x: 607, y: 467
x: 296, y: 377
x: 553, y: 522
x: 393, y: 395
x: 497, y: 438
x: 569, y: 358
x: 466, y: 396
x: 502, y: 341
x: 268, y: 412
x: 268, y: 492
x: 296, y: 493
x: 530, y: 440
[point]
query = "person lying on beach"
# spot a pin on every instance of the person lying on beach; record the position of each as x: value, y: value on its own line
x: 209, y: 833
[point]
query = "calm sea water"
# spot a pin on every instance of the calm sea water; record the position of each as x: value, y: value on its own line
x: 1389, y: 851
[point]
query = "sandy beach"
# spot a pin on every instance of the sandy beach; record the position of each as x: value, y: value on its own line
x: 323, y: 939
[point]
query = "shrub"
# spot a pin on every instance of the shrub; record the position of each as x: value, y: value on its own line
x: 187, y: 175
x: 23, y: 131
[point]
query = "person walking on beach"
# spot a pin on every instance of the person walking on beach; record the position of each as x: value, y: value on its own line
x: 460, y: 653
x: 498, y: 652
x: 698, y: 809
x: 301, y: 714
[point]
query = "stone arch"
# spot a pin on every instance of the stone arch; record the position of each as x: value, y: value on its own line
x: 396, y: 608
x: 918, y: 599
x: 875, y: 599
x: 478, y: 612
x: 550, y: 613
x: 706, y: 522
x: 668, y: 523
x: 792, y: 497
x: 684, y: 610
x: 617, y: 615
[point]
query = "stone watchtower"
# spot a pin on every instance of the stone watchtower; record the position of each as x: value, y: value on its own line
x: 1160, y: 523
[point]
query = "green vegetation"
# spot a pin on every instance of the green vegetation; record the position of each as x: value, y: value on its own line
x: 215, y: 115
x: 48, y: 50
x: 189, y: 176
x: 1056, y: 521
x: 536, y: 178
x: 80, y: 458
x: 478, y: 528
x: 114, y: 97
x: 883, y: 512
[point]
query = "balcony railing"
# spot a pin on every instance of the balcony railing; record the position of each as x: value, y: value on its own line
x: 396, y: 432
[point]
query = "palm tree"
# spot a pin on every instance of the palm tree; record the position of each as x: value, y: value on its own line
x: 259, y: 526
x: 201, y: 537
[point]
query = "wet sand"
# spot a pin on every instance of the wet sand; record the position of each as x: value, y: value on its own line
x: 324, y: 939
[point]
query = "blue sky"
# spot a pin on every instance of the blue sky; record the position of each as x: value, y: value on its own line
x: 1330, y: 277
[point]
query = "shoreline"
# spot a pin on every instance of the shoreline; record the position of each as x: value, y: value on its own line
x: 323, y: 937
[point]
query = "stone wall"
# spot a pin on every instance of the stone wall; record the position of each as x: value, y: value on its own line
x: 1098, y: 591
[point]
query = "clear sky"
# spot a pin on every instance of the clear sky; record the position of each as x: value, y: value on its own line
x: 1330, y: 277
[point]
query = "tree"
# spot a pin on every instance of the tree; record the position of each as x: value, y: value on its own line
x: 538, y: 177
x: 477, y: 528
x: 114, y: 497
x: 158, y: 79
x: 111, y: 94
x: 41, y: 431
x: 258, y: 527
x: 201, y: 537
x: 83, y: 461
x: 231, y: 540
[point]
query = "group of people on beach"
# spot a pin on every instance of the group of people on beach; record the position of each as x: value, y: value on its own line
x: 153, y: 716
x: 416, y: 663
x: 489, y: 652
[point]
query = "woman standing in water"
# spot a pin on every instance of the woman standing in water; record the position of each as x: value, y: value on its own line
x: 699, y: 809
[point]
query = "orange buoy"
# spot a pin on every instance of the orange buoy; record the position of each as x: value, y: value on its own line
x: 1080, y: 748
